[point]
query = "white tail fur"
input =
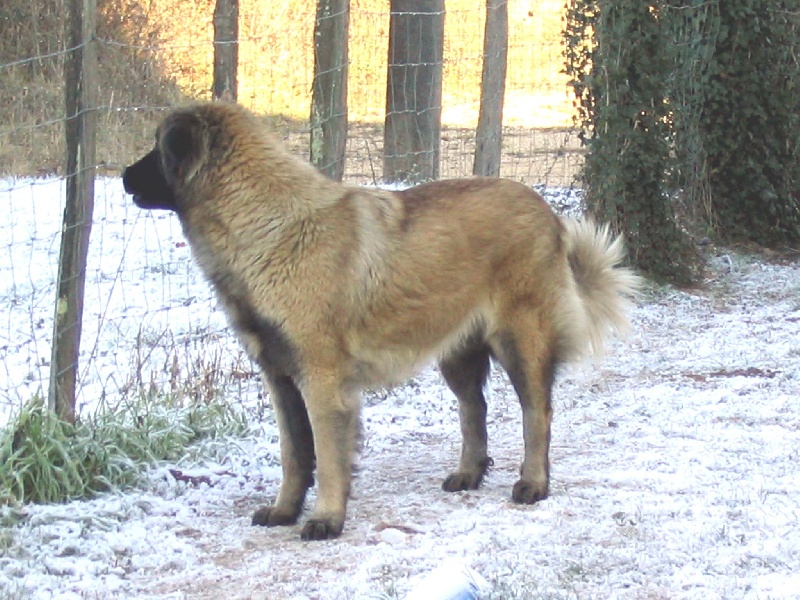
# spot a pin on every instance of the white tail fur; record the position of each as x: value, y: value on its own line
x: 604, y: 287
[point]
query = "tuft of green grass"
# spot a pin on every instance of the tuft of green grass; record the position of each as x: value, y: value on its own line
x: 45, y: 460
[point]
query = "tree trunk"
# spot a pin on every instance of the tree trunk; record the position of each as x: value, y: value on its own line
x: 80, y: 128
x: 329, y: 96
x: 489, y: 134
x: 226, y: 49
x: 414, y: 91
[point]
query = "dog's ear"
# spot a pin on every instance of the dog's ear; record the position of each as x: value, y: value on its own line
x: 183, y: 147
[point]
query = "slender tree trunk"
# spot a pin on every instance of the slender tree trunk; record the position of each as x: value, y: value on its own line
x: 80, y: 128
x: 489, y: 134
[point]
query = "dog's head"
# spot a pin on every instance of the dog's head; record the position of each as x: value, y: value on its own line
x: 162, y: 178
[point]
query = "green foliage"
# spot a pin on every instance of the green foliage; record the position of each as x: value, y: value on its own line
x: 743, y: 115
x: 618, y: 61
x: 44, y: 459
x: 689, y: 107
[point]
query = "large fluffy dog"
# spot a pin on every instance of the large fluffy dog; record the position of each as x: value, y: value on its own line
x: 334, y: 289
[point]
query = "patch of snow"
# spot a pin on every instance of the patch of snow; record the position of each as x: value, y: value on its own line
x: 675, y: 461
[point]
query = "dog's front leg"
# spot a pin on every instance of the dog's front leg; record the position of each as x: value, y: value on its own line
x: 334, y: 412
x: 297, y: 454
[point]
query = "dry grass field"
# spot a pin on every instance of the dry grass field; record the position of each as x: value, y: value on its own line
x: 155, y: 54
x: 276, y: 61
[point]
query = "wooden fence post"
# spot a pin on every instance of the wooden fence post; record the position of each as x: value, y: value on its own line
x: 226, y: 49
x: 80, y: 128
x: 329, y: 95
x: 414, y: 91
x: 489, y: 134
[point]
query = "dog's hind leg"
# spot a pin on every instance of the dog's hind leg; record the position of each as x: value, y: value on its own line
x: 526, y: 353
x: 297, y: 454
x: 465, y: 371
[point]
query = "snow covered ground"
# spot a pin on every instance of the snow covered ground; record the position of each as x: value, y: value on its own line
x: 675, y: 462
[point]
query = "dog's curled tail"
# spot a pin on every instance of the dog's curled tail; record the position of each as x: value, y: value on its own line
x: 605, y: 289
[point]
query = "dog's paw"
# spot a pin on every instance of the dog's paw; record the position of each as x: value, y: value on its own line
x: 322, y: 529
x: 459, y: 482
x: 272, y: 516
x: 525, y: 492
x: 467, y: 480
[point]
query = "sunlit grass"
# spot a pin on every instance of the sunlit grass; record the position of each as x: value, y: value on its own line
x: 276, y: 58
x: 158, y: 54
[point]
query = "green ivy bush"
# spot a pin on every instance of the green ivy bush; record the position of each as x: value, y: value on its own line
x: 688, y: 107
x: 745, y: 115
x: 618, y: 61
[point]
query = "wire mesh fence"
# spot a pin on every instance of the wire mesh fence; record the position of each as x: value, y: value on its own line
x: 150, y: 321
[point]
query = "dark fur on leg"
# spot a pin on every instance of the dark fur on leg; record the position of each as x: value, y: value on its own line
x: 466, y: 371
